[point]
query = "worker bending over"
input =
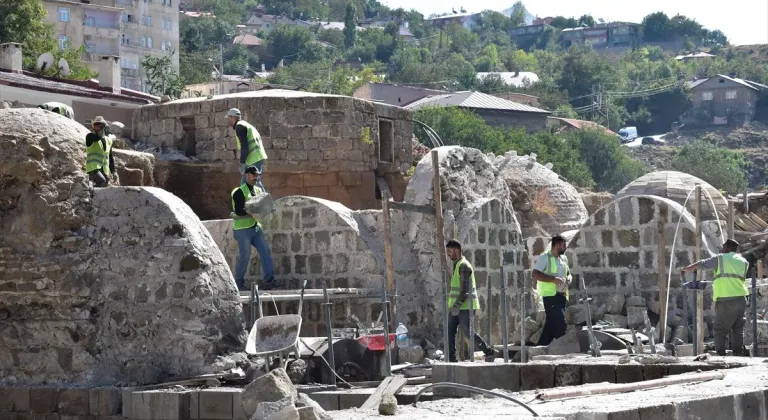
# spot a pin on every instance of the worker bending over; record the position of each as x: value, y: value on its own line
x: 99, y: 164
x: 248, y: 232
x: 58, y: 108
x: 553, y: 276
x: 249, y: 145
x: 729, y: 292
x: 459, y: 305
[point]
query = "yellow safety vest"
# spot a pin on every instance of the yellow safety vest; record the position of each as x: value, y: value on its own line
x: 243, y: 222
x: 98, y: 157
x: 730, y: 276
x: 547, y: 289
x: 255, y: 146
x: 455, y: 291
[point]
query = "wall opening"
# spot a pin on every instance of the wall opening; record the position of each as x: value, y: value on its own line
x: 386, y: 141
x: 187, y: 143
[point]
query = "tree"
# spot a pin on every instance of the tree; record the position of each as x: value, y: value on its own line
x: 350, y: 26
x: 722, y: 168
x: 519, y: 12
x: 161, y: 77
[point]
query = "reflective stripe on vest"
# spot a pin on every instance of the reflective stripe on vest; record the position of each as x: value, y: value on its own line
x: 97, y: 157
x: 255, y: 146
x: 547, y: 289
x: 730, y: 276
x: 455, y: 291
x: 242, y: 222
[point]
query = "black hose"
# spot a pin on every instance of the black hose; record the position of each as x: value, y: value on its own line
x: 473, y: 389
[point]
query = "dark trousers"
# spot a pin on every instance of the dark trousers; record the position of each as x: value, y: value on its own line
x: 729, y: 318
x: 98, y: 178
x: 555, y: 326
x: 453, y: 326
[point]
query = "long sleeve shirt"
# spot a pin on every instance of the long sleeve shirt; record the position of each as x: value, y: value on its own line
x: 93, y: 138
x: 242, y: 137
x: 465, y: 275
x: 239, y: 199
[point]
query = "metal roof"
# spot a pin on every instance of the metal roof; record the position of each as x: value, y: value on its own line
x: 474, y: 100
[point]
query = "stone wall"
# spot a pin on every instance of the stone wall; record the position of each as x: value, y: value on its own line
x: 617, y: 249
x: 323, y: 146
x: 101, y: 286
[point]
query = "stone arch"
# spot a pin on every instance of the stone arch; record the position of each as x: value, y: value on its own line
x: 101, y: 286
x: 677, y: 186
x: 616, y: 251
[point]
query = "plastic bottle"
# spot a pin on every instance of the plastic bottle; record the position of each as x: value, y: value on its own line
x: 402, y: 335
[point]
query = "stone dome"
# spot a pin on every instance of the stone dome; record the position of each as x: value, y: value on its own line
x: 540, y: 196
x: 676, y: 186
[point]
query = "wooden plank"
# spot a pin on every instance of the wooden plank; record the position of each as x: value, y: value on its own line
x: 414, y: 208
x: 390, y: 385
x: 390, y: 271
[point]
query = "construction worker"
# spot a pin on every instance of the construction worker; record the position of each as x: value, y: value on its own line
x: 248, y: 232
x: 99, y: 164
x: 249, y: 145
x: 553, y: 276
x: 462, y: 282
x: 729, y: 291
x: 58, y: 108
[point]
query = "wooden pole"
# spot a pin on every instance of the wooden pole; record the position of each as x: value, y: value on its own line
x: 391, y: 288
x: 439, y: 226
x: 699, y: 305
x: 730, y: 219
x: 662, y: 277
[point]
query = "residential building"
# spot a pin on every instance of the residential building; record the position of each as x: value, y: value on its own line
x: 393, y: 94
x: 723, y: 100
x: 149, y: 27
x: 130, y: 29
x: 87, y: 98
x: 512, y: 78
x: 494, y: 111
x: 93, y: 26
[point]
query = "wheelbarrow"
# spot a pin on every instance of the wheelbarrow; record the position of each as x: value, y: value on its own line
x: 276, y: 335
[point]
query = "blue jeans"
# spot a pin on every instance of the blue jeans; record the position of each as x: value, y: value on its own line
x: 260, y: 166
x: 246, y: 238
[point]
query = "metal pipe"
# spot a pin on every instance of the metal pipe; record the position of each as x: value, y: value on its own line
x: 472, y: 297
x: 473, y: 389
x: 504, y: 326
x: 446, y: 347
x: 329, y: 332
x: 754, y: 311
x: 387, y: 350
x: 582, y: 390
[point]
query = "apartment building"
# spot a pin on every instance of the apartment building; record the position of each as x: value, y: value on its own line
x: 130, y: 29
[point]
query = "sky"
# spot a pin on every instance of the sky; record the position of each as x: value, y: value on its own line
x: 742, y: 21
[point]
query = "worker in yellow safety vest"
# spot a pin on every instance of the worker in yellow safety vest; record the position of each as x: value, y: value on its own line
x: 249, y: 145
x: 99, y: 164
x: 729, y: 291
x: 459, y: 301
x: 58, y: 108
x: 248, y: 232
x: 553, y: 276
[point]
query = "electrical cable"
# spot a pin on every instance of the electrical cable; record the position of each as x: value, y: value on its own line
x: 473, y: 389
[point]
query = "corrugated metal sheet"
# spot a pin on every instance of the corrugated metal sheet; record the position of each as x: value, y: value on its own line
x: 475, y: 100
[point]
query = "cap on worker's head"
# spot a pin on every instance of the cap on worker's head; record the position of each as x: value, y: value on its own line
x: 252, y: 170
x: 234, y: 112
x: 99, y: 120
x: 731, y: 244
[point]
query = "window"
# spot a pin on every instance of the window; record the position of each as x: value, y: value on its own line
x: 63, y: 14
x: 386, y: 141
x: 149, y: 42
x: 730, y: 94
x: 63, y: 40
x: 706, y: 96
